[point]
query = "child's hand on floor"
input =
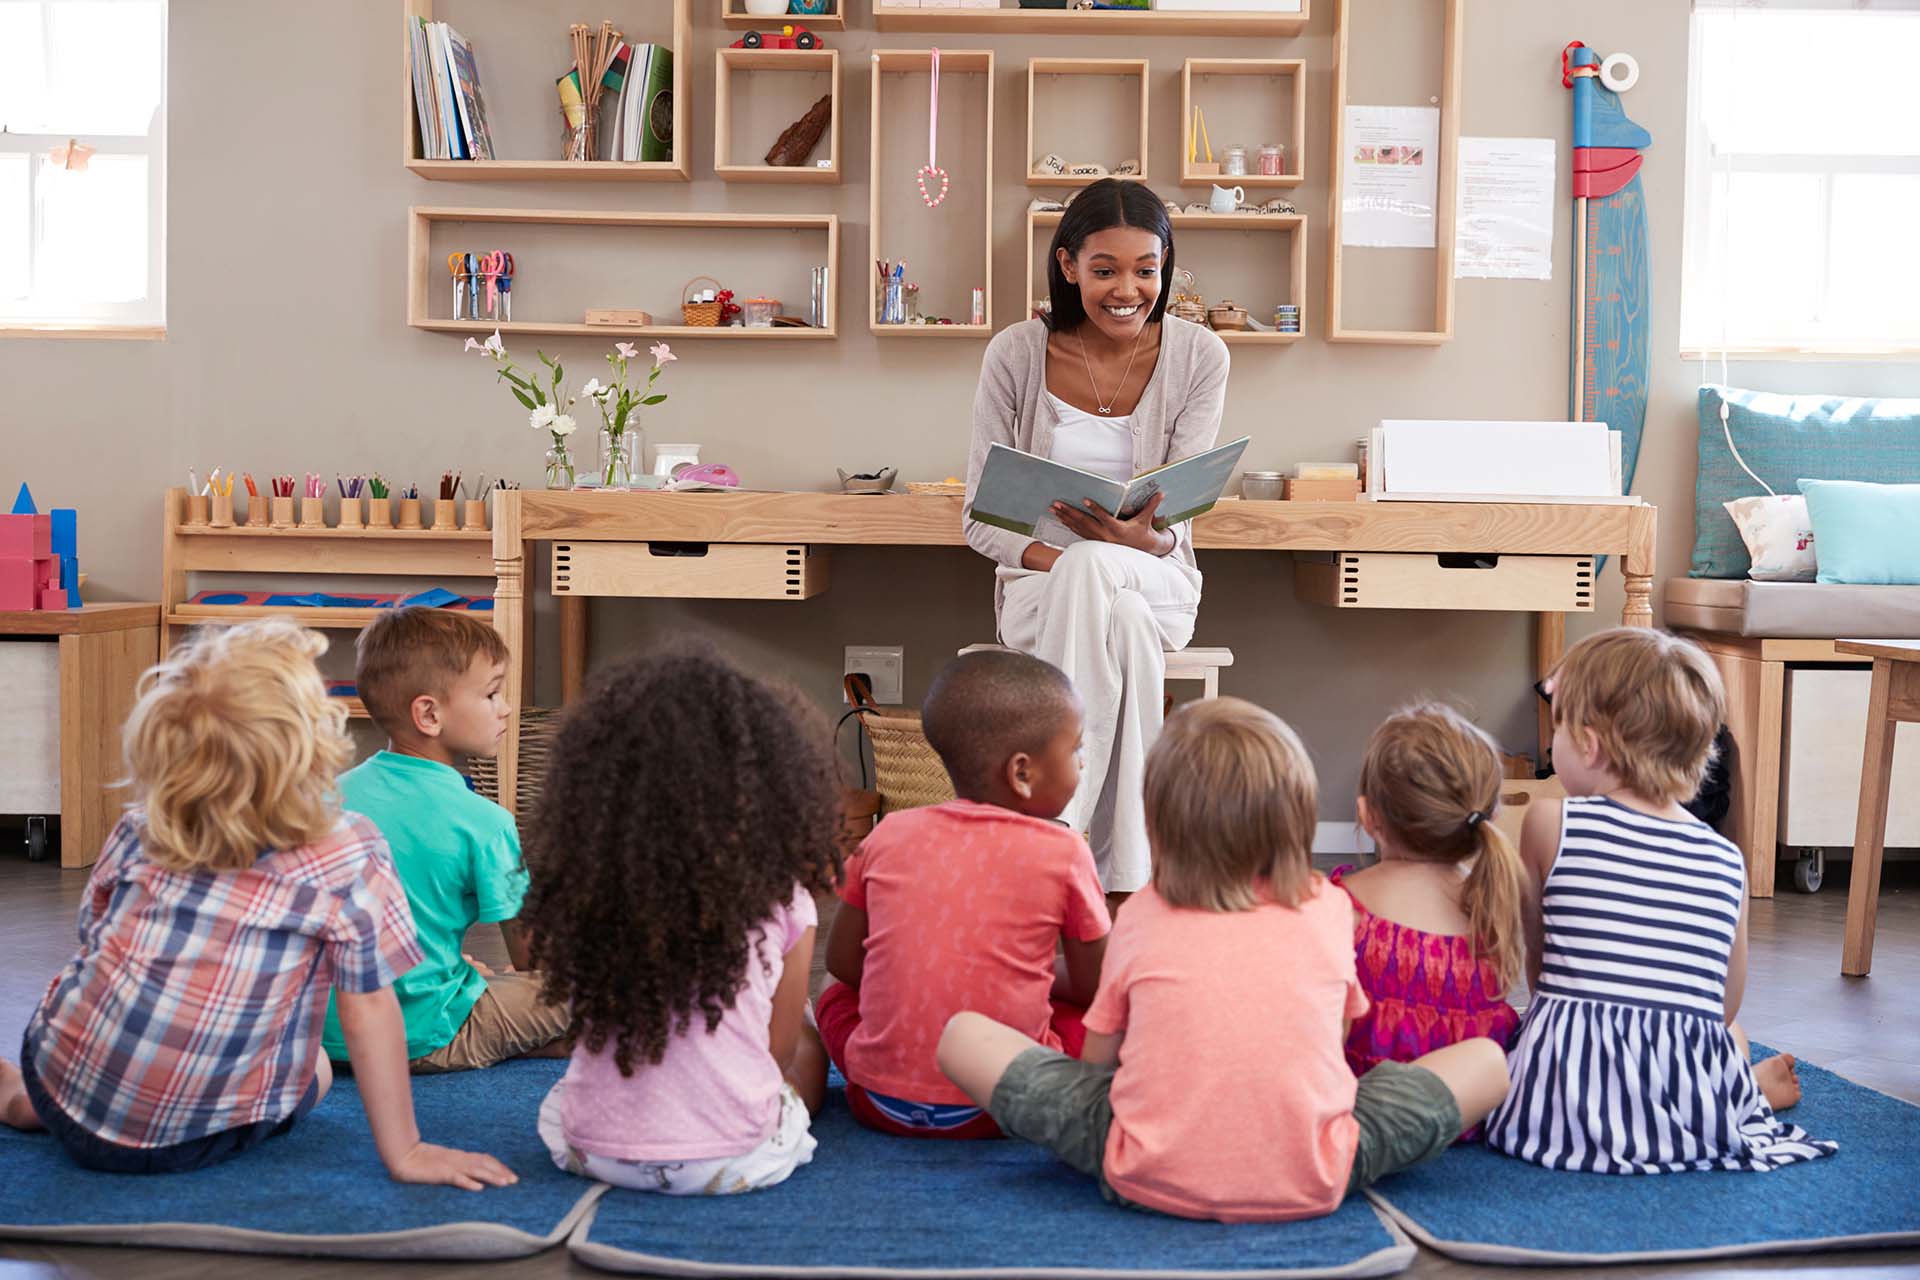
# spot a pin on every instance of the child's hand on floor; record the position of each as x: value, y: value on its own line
x: 445, y: 1166
x: 480, y: 967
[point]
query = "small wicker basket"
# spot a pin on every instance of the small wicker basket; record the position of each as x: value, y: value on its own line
x: 906, y: 771
x: 538, y: 725
x: 699, y: 315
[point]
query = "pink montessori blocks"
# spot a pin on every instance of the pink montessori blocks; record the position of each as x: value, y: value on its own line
x: 19, y: 583
x: 26, y: 537
x: 39, y: 566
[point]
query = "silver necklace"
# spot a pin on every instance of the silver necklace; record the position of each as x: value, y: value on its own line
x: 1106, y: 406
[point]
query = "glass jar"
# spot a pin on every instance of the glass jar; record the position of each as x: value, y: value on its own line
x: 617, y: 451
x: 559, y: 466
x: 1273, y: 160
x: 761, y: 311
x: 1233, y: 162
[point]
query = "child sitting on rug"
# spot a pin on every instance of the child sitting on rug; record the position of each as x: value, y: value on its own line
x: 224, y: 904
x: 689, y: 815
x: 1628, y: 1060
x: 1437, y: 920
x: 430, y: 679
x: 1212, y: 1084
x: 961, y: 905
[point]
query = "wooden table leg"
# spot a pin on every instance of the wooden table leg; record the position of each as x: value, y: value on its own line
x: 512, y: 619
x: 573, y: 646
x: 1549, y: 646
x: 1870, y: 827
x: 1764, y: 828
x: 1636, y: 566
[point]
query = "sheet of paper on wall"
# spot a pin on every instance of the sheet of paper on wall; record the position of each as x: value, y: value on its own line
x: 1504, y: 230
x: 1391, y: 177
x: 1415, y: 460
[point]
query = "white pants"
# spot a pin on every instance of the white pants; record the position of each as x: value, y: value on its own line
x: 789, y: 1146
x: 1107, y: 616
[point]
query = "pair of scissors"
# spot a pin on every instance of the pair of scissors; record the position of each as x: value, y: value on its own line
x: 456, y: 267
x: 503, y: 282
x: 492, y: 267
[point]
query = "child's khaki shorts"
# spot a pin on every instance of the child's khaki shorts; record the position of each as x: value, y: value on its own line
x: 509, y: 1020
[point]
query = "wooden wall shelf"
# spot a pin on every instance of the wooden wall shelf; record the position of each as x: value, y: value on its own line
x: 726, y: 61
x: 1137, y: 68
x: 953, y: 62
x: 734, y: 16
x: 1294, y: 226
x: 679, y: 169
x: 1294, y: 71
x: 1093, y: 22
x: 421, y: 275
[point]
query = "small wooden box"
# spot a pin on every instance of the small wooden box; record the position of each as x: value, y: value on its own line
x: 1344, y: 490
x: 1395, y: 580
x: 689, y: 570
x: 632, y: 317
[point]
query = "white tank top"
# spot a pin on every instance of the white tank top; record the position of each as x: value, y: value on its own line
x: 1101, y: 445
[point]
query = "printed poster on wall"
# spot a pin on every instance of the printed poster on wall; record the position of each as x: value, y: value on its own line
x: 1504, y: 230
x: 1392, y: 177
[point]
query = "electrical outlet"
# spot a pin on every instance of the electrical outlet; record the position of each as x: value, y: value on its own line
x: 884, y: 664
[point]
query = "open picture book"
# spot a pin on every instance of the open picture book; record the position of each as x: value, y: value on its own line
x: 1017, y: 490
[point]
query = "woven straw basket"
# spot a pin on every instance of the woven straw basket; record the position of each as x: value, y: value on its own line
x: 537, y: 728
x: 699, y: 315
x: 906, y: 772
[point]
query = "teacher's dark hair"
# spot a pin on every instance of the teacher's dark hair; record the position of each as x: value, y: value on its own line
x: 1107, y: 203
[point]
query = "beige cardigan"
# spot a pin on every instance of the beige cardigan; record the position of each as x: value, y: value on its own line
x: 1177, y: 417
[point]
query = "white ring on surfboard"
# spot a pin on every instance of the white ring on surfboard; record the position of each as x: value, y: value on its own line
x: 1619, y: 72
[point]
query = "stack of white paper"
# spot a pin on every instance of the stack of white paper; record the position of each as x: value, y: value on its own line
x: 1447, y: 461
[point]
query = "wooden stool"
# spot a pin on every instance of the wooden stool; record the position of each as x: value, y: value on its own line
x: 1200, y: 664
x: 1896, y: 698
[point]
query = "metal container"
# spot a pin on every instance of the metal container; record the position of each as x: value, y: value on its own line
x: 817, y: 298
x: 1263, y: 486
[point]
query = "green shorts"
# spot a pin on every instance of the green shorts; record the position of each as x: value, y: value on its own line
x: 1406, y: 1115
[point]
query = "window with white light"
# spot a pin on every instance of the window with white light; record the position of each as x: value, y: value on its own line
x: 83, y: 165
x: 1803, y: 179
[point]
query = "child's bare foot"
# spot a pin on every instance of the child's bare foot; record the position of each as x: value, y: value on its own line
x: 1779, y: 1080
x: 16, y: 1112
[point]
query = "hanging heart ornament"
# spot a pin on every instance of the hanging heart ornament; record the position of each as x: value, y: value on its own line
x: 932, y: 169
x: 928, y: 171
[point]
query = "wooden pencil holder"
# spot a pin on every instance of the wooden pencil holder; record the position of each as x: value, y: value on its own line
x: 282, y: 513
x: 352, y: 513
x: 199, y: 509
x: 476, y: 514
x: 443, y: 516
x: 221, y: 514
x: 379, y: 513
x: 409, y: 513
x: 313, y: 513
x: 256, y: 511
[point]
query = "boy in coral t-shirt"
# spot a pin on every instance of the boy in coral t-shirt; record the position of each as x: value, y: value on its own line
x: 960, y: 905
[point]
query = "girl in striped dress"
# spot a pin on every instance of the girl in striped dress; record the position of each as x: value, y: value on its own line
x: 1628, y: 1060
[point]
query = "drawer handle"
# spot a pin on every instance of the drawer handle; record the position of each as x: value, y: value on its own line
x: 677, y: 548
x: 1467, y: 560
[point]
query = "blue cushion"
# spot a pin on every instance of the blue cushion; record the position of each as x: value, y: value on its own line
x: 1783, y: 438
x: 1867, y: 533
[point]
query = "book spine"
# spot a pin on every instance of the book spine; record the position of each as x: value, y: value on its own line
x: 656, y: 115
x: 422, y: 99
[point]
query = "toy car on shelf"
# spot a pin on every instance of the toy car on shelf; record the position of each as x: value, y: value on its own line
x: 788, y: 37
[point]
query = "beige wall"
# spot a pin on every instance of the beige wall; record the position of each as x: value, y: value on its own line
x: 288, y: 347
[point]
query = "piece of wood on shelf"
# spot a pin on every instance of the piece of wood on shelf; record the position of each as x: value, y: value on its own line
x: 734, y: 16
x: 953, y: 62
x: 1282, y: 123
x: 1058, y: 76
x: 1254, y: 24
x: 815, y: 62
x: 678, y: 169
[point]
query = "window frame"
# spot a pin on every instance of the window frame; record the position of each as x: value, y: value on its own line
x: 144, y: 319
x: 1704, y: 164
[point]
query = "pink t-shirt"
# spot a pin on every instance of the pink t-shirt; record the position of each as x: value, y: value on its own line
x: 713, y: 1093
x: 1233, y: 1099
x: 965, y: 903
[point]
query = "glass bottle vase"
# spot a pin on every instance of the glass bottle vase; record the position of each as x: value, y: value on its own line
x: 559, y: 466
x: 617, y: 450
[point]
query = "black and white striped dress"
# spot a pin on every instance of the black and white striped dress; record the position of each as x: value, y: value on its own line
x: 1623, y: 1063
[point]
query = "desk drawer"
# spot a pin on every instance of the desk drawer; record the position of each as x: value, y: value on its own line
x: 689, y: 570
x: 1394, y: 580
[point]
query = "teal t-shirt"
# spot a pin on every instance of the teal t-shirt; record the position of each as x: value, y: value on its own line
x: 458, y: 855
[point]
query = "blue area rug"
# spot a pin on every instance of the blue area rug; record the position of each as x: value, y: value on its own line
x: 321, y: 1189
x: 870, y: 1205
x: 1479, y: 1206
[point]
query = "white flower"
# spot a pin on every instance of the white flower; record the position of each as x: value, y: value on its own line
x: 492, y: 348
x: 593, y: 390
x: 541, y: 419
x: 563, y: 425
x: 662, y: 353
x: 626, y: 350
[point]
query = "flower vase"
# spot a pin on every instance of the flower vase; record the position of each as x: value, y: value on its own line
x: 559, y: 467
x: 617, y: 467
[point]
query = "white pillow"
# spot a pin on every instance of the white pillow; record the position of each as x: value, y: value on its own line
x: 1779, y: 537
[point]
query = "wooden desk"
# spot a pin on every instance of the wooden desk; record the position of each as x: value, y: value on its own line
x: 523, y: 517
x: 102, y: 651
x: 1895, y: 698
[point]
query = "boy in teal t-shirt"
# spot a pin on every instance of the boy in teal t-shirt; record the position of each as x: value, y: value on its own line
x: 431, y: 679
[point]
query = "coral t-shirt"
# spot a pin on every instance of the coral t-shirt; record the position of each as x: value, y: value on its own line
x: 964, y: 903
x: 1233, y: 1099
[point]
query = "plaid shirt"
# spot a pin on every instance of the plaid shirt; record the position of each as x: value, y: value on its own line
x: 195, y: 1002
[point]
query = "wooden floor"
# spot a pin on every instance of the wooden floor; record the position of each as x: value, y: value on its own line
x: 1863, y: 1028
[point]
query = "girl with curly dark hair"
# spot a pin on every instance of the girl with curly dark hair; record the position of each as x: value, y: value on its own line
x: 689, y: 814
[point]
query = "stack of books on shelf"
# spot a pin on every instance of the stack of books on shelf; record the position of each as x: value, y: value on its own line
x: 446, y: 94
x: 638, y: 125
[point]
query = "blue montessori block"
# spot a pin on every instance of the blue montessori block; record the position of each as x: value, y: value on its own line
x: 70, y: 579
x: 23, y: 502
x: 66, y: 531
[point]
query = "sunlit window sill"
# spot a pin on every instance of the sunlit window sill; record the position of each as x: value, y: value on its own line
x: 1831, y: 355
x: 102, y: 332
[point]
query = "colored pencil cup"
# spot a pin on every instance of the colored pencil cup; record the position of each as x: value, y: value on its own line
x: 443, y: 513
x: 409, y: 513
x: 221, y: 515
x: 256, y: 511
x: 199, y: 508
x: 351, y: 513
x: 313, y: 513
x: 379, y: 513
x: 476, y: 514
x: 282, y: 512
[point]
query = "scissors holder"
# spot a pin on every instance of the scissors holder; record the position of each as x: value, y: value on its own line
x: 379, y: 513
x: 351, y: 513
x: 220, y: 515
x: 313, y: 513
x: 409, y: 513
x: 198, y: 509
x: 256, y: 511
x: 282, y: 512
x: 475, y: 516
x: 443, y: 516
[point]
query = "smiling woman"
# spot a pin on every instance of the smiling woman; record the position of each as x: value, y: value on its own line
x: 1111, y: 384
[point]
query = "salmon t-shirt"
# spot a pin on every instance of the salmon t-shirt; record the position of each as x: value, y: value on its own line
x: 964, y: 903
x: 1233, y: 1099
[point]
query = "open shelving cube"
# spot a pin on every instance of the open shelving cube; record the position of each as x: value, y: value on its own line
x: 734, y: 16
x: 899, y: 149
x: 517, y: 46
x: 1099, y: 122
x: 1251, y: 226
x: 653, y: 283
x: 1264, y: 24
x: 763, y: 116
x: 1241, y: 102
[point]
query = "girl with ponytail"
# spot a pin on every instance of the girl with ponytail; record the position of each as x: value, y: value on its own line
x: 1437, y: 921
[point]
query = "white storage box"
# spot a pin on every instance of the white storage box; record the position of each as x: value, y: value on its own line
x: 30, y: 744
x: 1825, y: 735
